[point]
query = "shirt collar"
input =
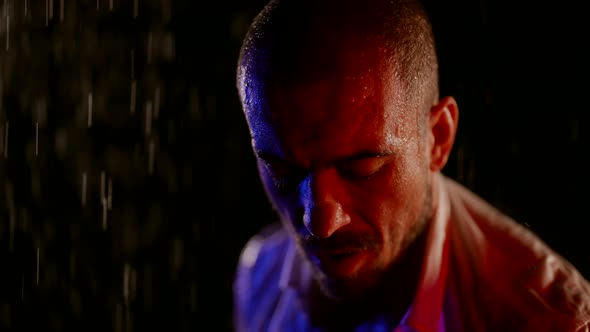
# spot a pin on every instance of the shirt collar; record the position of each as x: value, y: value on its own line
x: 426, y: 312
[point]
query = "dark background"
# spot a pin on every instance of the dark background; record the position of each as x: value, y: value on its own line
x: 157, y: 250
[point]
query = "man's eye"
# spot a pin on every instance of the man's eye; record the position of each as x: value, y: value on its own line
x: 283, y: 176
x: 362, y: 168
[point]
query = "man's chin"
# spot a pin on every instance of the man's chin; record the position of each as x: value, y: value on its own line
x: 339, y: 285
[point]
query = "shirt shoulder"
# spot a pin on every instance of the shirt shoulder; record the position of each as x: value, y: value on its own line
x: 256, y: 285
x: 526, y: 282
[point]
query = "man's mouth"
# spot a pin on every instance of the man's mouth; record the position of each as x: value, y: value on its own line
x: 342, y: 262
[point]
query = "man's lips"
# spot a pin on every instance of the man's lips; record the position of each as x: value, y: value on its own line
x: 342, y: 254
x: 341, y: 262
x: 338, y: 252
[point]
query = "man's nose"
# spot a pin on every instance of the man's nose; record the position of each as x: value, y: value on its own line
x: 323, y: 211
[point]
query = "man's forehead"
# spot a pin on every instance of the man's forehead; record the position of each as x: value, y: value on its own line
x: 328, y: 119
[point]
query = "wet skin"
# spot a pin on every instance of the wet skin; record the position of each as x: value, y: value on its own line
x: 344, y: 159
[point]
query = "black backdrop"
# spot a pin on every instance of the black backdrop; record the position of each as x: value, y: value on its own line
x: 127, y: 184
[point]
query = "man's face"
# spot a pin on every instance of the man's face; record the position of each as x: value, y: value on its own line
x: 344, y: 160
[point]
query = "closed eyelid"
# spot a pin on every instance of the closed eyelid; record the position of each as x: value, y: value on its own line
x: 362, y: 166
x: 278, y: 165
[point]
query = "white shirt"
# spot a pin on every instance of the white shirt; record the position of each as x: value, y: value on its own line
x: 482, y: 271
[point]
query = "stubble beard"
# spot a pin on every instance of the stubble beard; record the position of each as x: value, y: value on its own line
x: 338, y: 290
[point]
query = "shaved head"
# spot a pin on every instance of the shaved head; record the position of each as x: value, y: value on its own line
x: 339, y: 96
x: 295, y: 40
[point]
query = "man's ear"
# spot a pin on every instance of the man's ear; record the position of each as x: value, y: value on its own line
x: 444, y: 118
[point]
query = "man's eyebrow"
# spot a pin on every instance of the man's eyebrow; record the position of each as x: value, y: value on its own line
x: 271, y: 157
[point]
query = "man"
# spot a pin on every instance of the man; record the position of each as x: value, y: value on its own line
x: 350, y: 135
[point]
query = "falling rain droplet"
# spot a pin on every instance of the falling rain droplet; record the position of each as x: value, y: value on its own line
x: 104, y: 215
x: 151, y: 156
x: 50, y: 9
x: 12, y: 217
x: 135, y: 8
x: 61, y: 10
x: 110, y: 4
x: 11, y: 211
x: 157, y: 102
x: 166, y: 10
x: 148, y: 118
x: 36, y: 139
x: 7, y: 32
x: 97, y: 5
x: 72, y: 264
x: 26, y: 7
x: 110, y: 194
x: 36, y: 183
x: 575, y: 131
x: 193, y: 296
x: 6, y: 140
x: 84, y: 185
x: 133, y: 96
x: 102, y: 185
x: 149, y: 47
x: 119, y: 318
x: 89, y: 109
x: 126, y: 272
x: 177, y: 254
x: 46, y: 12
x: 37, y: 265
x: 132, y: 63
x: 103, y: 199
